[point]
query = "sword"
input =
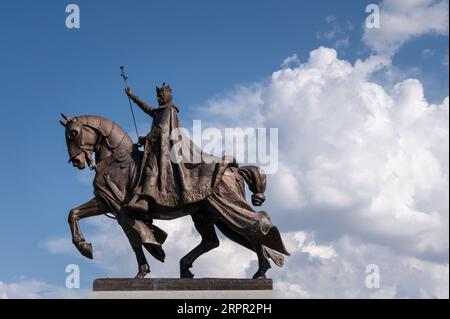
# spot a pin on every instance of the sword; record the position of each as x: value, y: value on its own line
x: 125, y: 78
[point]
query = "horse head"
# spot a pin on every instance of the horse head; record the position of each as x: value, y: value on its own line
x: 81, y: 140
x: 89, y: 134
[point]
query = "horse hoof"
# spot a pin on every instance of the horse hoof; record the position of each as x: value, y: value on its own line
x: 186, y: 274
x: 141, y: 274
x: 86, y: 250
x: 259, y: 275
x: 143, y: 271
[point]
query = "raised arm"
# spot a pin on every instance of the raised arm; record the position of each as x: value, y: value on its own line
x: 143, y: 105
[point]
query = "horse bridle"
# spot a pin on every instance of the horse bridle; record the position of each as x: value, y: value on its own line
x: 89, y: 149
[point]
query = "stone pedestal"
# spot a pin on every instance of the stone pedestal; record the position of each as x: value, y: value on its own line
x: 174, y: 288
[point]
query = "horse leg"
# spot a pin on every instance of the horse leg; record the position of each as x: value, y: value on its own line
x: 142, y: 233
x: 135, y: 242
x: 93, y: 207
x: 209, y: 242
x: 263, y: 262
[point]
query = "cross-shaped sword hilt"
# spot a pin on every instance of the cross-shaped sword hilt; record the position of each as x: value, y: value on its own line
x: 122, y: 74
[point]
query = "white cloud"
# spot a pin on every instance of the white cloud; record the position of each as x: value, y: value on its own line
x: 301, y: 242
x: 403, y: 20
x: 344, y: 276
x: 36, y: 289
x: 376, y: 157
x: 357, y: 160
x: 59, y: 245
x: 292, y: 60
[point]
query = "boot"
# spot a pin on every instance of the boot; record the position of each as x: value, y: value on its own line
x: 138, y: 205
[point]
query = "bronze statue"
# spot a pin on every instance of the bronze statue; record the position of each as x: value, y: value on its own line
x: 138, y: 187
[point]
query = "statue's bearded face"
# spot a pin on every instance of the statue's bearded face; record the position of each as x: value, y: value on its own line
x: 163, y: 97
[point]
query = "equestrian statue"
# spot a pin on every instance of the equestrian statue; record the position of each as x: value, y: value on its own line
x: 164, y: 182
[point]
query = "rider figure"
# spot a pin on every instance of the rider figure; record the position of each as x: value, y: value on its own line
x: 149, y: 170
x: 164, y: 97
x: 166, y: 179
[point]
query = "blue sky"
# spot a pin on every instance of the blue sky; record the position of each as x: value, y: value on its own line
x: 202, y: 48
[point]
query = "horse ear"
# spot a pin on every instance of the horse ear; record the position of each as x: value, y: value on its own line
x: 67, y: 118
x: 63, y: 123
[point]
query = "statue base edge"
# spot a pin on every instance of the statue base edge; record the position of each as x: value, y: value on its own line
x: 175, y: 288
x: 185, y: 294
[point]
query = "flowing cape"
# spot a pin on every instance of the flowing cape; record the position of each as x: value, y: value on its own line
x: 175, y: 171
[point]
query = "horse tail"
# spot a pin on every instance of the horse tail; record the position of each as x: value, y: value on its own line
x: 256, y: 181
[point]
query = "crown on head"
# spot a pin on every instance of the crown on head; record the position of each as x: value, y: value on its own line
x: 164, y: 88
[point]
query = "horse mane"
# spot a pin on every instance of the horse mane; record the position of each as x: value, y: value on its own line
x: 111, y: 131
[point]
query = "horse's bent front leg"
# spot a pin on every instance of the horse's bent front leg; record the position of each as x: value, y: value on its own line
x: 93, y: 207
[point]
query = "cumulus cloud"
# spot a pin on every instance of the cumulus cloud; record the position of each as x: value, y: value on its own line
x: 357, y: 159
x: 404, y: 20
x: 344, y: 274
x: 378, y: 158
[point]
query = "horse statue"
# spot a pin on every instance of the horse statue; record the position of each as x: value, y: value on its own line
x: 103, y: 145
